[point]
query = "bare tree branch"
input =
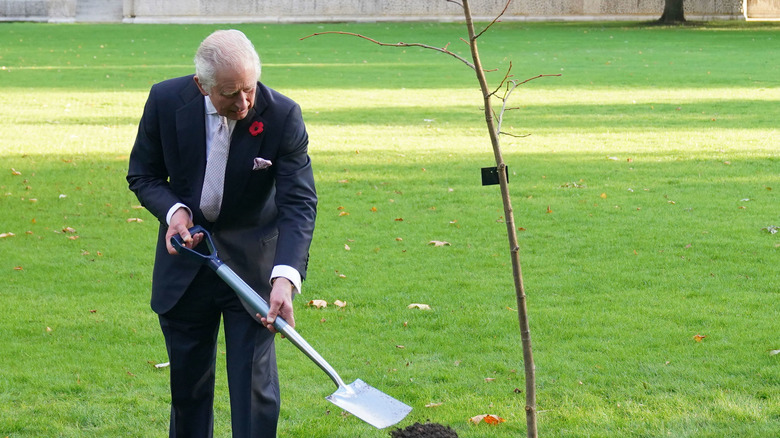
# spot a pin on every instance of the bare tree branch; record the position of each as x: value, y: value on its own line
x: 515, y: 135
x: 457, y: 3
x: 399, y: 44
x: 506, y: 76
x: 506, y: 6
x: 514, y: 84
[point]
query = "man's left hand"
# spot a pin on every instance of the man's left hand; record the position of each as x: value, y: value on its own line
x: 280, y: 304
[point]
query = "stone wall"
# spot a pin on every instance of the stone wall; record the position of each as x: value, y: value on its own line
x: 270, y: 11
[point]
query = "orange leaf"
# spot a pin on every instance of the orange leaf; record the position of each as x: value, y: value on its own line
x: 344, y: 213
x: 487, y: 418
x: 373, y: 209
x: 698, y: 338
x: 492, y: 419
x: 18, y: 268
x: 399, y: 219
x: 603, y: 196
x: 549, y: 210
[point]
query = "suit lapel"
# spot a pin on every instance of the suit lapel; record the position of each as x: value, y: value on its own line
x: 244, y: 147
x: 191, y: 134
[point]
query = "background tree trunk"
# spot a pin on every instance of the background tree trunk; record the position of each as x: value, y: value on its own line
x: 673, y: 12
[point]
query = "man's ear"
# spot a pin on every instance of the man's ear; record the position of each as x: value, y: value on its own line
x: 200, y: 87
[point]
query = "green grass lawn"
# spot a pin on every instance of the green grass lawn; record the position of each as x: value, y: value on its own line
x: 643, y: 197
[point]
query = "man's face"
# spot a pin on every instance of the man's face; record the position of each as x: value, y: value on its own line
x: 233, y: 95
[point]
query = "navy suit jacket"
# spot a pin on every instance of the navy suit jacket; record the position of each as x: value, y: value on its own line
x: 267, y: 216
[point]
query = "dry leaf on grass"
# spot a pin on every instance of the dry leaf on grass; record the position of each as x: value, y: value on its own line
x: 340, y: 304
x: 8, y: 234
x: 134, y: 219
x: 486, y: 418
x: 698, y: 338
x: 774, y: 352
x: 317, y: 303
x: 433, y: 405
x: 419, y: 306
x: 438, y: 243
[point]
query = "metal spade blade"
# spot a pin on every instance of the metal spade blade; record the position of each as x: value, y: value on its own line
x: 369, y: 404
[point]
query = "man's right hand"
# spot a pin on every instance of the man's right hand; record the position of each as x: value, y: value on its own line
x: 180, y: 224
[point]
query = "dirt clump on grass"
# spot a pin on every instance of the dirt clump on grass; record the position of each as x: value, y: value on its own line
x: 427, y: 430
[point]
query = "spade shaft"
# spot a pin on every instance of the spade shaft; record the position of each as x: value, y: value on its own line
x: 358, y: 398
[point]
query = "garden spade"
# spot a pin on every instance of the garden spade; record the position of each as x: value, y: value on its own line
x: 358, y: 398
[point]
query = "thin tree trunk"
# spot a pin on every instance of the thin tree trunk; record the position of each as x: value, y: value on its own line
x: 514, y: 247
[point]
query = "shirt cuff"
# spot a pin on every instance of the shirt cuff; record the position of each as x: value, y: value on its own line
x: 173, y: 209
x: 289, y: 273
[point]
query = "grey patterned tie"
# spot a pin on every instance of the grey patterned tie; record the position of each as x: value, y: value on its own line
x: 214, y: 180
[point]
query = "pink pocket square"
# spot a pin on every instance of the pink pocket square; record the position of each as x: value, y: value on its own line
x: 261, y: 164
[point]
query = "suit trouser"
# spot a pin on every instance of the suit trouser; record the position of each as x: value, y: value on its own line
x: 190, y: 331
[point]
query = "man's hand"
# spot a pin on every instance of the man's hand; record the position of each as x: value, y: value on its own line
x: 180, y: 224
x: 280, y: 304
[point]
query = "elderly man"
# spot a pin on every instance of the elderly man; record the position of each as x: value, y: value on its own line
x: 222, y: 150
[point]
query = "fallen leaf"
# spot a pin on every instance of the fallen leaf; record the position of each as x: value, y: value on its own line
x: 698, y: 338
x: 18, y: 268
x: 317, y: 303
x: 487, y: 418
x: 549, y: 210
x: 373, y: 209
x: 399, y: 239
x: 162, y: 365
x: 340, y: 304
x: 48, y: 330
x: 493, y: 419
x: 68, y: 230
x: 134, y: 219
x: 8, y: 234
x: 603, y: 196
x: 73, y: 237
x: 15, y: 172
x: 774, y: 352
x: 400, y: 346
x: 433, y: 405
x: 343, y: 213
x: 489, y: 379
x: 93, y: 311
x: 418, y: 306
x: 399, y: 219
x: 346, y: 247
x: 438, y: 243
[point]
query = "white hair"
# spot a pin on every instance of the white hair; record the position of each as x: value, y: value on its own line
x: 221, y: 49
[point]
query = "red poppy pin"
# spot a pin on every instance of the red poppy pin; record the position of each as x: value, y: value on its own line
x: 256, y: 128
